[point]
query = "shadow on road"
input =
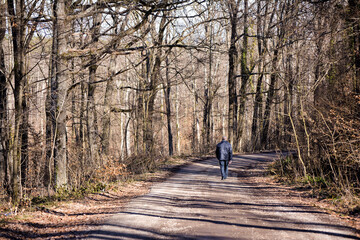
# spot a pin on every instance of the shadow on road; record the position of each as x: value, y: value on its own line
x: 118, y: 235
x: 212, y: 211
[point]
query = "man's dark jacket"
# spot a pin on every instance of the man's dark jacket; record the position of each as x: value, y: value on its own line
x: 224, y: 151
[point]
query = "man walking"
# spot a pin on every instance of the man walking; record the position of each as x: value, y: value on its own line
x: 224, y: 155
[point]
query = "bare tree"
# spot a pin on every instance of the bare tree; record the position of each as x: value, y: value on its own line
x: 3, y: 105
x: 273, y: 76
x: 245, y: 76
x: 233, y: 8
x: 261, y: 46
x: 167, y: 92
x: 91, y: 114
x: 353, y: 21
x: 17, y: 10
x: 60, y: 93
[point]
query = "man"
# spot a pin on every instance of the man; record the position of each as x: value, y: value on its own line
x: 224, y: 155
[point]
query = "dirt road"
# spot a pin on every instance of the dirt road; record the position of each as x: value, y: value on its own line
x: 196, y: 204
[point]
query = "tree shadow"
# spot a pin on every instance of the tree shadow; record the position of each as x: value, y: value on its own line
x: 143, y: 233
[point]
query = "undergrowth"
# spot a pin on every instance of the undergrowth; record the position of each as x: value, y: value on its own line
x: 108, y: 177
x: 288, y: 170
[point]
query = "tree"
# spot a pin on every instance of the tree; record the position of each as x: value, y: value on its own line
x: 209, y: 91
x: 354, y: 25
x: 3, y: 106
x: 17, y: 10
x: 60, y: 92
x: 233, y: 8
x: 167, y: 91
x: 245, y: 76
x: 92, y: 122
x: 258, y: 101
x: 152, y: 86
x: 273, y: 78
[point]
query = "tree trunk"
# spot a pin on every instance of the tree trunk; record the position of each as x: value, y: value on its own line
x: 109, y: 91
x: 354, y: 14
x: 257, y: 111
x: 167, y: 90
x: 51, y: 102
x: 208, y: 94
x: 233, y: 56
x: 319, y: 91
x: 60, y: 95
x: 206, y: 120
x: 25, y: 136
x: 75, y: 132
x: 139, y: 113
x: 91, y: 119
x: 269, y: 102
x: 288, y: 98
x: 3, y: 106
x: 82, y: 125
x: 152, y: 86
x: 18, y: 37
x: 148, y: 108
x: 245, y: 75
x: 194, y: 141
x: 49, y: 134
x: 92, y: 127
x: 178, y: 146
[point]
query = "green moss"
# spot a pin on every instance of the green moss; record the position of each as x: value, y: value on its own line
x: 318, y: 181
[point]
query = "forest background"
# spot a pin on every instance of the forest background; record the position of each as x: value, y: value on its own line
x: 92, y: 91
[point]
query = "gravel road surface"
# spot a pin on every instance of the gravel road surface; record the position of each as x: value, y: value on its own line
x: 195, y: 204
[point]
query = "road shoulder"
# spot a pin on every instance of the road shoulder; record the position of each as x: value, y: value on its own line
x: 257, y: 175
x: 76, y: 218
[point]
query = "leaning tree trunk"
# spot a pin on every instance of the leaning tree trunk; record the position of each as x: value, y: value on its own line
x: 288, y: 99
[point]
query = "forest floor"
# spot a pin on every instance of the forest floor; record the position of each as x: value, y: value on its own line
x: 78, y: 218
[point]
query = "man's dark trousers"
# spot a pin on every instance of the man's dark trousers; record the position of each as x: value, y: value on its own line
x: 224, y: 168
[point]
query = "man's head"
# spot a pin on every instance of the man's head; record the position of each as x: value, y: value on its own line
x: 223, y: 138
